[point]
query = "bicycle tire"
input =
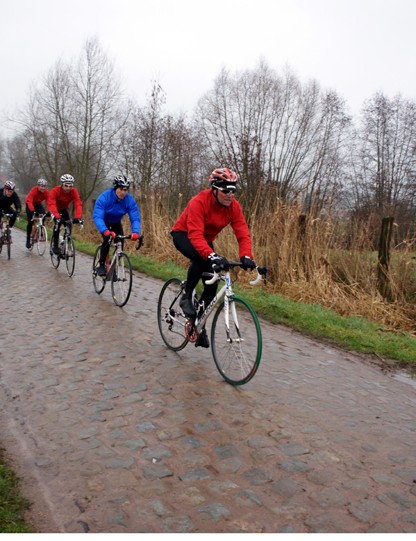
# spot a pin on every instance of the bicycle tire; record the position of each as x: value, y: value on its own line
x: 170, y: 318
x: 41, y: 239
x: 55, y: 258
x: 97, y: 280
x: 69, y: 256
x: 32, y: 240
x: 8, y: 242
x: 121, y: 279
x: 237, y: 358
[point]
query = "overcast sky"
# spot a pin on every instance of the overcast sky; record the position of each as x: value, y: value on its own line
x: 356, y: 47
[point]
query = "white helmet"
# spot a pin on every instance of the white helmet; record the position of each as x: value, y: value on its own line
x: 67, y: 179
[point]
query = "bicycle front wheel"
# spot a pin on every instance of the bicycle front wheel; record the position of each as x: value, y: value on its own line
x: 9, y: 243
x: 32, y: 240
x: 55, y: 258
x: 97, y: 280
x: 69, y: 256
x: 236, y: 341
x: 121, y: 279
x: 170, y: 318
x: 41, y: 239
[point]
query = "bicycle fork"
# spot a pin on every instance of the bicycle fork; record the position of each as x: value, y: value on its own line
x: 227, y: 304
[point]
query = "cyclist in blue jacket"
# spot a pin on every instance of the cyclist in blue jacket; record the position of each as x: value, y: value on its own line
x: 108, y: 212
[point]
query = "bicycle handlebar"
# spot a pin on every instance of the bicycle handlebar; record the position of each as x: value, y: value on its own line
x: 140, y: 240
x: 261, y: 272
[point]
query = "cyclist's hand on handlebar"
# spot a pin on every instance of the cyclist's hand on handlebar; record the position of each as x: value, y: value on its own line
x: 107, y: 233
x: 76, y: 221
x: 134, y: 236
x: 247, y: 263
x: 216, y: 259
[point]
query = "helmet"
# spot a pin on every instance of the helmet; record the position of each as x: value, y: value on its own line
x: 222, y: 177
x: 42, y: 182
x: 120, y: 181
x: 67, y: 179
x: 9, y: 185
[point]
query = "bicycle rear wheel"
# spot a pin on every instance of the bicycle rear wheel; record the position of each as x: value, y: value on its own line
x: 97, y: 280
x: 237, y: 349
x: 121, y: 279
x: 55, y: 258
x: 69, y: 256
x: 41, y: 239
x: 170, y: 318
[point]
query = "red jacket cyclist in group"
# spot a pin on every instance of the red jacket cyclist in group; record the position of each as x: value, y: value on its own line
x: 59, y: 200
x: 198, y: 226
x: 37, y: 195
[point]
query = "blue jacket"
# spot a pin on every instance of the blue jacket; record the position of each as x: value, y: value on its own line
x: 109, y: 208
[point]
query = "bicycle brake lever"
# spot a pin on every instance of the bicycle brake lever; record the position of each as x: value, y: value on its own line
x: 261, y: 275
x: 213, y: 279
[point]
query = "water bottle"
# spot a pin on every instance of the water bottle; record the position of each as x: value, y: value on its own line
x: 61, y: 243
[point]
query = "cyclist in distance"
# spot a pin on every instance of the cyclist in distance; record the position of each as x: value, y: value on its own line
x: 34, y: 201
x: 197, y: 227
x: 109, y: 209
x: 9, y: 197
x: 60, y: 197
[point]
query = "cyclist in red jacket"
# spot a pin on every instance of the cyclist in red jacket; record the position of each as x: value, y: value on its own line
x: 59, y: 200
x: 197, y: 227
x: 34, y: 201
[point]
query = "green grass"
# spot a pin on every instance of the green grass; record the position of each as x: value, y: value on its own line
x: 12, y: 505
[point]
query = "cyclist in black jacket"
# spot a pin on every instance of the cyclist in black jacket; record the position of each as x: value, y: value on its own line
x: 9, y: 197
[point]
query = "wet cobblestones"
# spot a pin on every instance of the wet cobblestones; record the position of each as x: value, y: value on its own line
x: 112, y: 432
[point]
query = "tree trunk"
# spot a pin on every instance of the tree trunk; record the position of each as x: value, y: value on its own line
x: 384, y: 285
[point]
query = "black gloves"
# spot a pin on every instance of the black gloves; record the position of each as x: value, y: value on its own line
x: 75, y: 221
x: 247, y: 263
x: 216, y: 259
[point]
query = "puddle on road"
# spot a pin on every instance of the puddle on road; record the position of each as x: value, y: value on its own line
x: 408, y: 376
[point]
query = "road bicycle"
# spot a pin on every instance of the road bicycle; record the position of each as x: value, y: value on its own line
x: 118, y: 270
x: 236, y: 339
x: 39, y: 234
x: 66, y: 247
x: 5, y: 233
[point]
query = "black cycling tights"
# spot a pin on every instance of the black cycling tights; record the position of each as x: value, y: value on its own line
x: 105, y: 248
x: 196, y: 267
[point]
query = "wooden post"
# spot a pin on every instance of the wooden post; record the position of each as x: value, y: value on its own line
x: 384, y: 285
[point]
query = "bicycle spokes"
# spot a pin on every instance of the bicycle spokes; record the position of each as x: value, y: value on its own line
x: 236, y: 345
x: 170, y: 317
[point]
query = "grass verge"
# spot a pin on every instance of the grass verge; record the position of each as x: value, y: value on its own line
x: 12, y: 505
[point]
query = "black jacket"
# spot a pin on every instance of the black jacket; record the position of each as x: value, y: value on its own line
x: 7, y: 202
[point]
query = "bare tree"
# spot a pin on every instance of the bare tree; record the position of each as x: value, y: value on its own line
x: 73, y: 118
x: 160, y: 152
x: 388, y: 157
x: 277, y: 133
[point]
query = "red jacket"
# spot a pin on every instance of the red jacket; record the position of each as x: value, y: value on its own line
x: 59, y: 200
x: 204, y: 218
x: 35, y: 196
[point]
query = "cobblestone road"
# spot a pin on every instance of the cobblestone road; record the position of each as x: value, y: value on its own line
x: 112, y: 432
